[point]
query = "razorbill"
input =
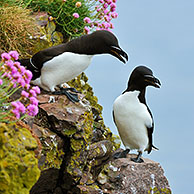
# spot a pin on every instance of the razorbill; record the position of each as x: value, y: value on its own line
x: 58, y: 64
x: 132, y: 115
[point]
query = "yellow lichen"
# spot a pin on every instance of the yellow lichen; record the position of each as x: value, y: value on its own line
x: 18, y: 166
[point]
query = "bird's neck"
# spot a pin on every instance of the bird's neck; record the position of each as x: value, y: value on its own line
x: 141, y: 95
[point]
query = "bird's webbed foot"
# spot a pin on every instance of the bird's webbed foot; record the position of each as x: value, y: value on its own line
x: 138, y: 159
x: 71, y: 96
x: 122, y: 154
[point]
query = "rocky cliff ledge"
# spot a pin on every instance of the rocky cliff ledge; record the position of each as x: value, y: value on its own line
x: 75, y: 151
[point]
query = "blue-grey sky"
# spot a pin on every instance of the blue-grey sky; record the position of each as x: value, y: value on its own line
x: 160, y: 35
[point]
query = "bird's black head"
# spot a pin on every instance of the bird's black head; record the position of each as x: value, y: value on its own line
x: 142, y: 77
x: 103, y: 41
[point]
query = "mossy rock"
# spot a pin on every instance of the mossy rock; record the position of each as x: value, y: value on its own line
x: 18, y: 166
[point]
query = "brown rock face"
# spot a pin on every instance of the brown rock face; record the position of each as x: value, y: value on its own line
x: 125, y: 176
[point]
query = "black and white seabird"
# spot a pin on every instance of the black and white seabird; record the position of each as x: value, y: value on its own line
x: 132, y: 115
x: 58, y: 64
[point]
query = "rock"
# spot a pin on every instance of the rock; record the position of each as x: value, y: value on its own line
x: 125, y: 176
x: 18, y: 166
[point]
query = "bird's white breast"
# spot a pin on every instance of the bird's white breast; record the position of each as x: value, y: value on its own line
x: 131, y: 118
x: 63, y: 68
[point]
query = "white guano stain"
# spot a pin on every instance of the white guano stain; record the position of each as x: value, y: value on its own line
x: 153, y: 182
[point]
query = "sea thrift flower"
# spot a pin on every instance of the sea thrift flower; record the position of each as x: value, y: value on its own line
x: 22, y: 69
x: 86, y: 29
x: 111, y: 25
x: 1, y: 81
x: 105, y: 5
x: 113, y: 5
x: 16, y: 113
x: 78, y: 4
x: 101, y: 1
x: 108, y: 1
x: 32, y: 110
x: 114, y: 15
x: 15, y: 105
x: 87, y: 20
x: 76, y: 15
x: 36, y: 89
x: 25, y: 94
x: 28, y: 76
x: 5, y: 56
x: 33, y: 101
x: 17, y: 64
x: 21, y: 107
x: 106, y: 11
x: 98, y: 10
x: 22, y: 82
x: 107, y: 18
x: 14, y: 54
x: 33, y: 93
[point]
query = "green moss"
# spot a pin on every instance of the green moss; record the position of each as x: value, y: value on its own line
x: 155, y: 190
x: 18, y: 166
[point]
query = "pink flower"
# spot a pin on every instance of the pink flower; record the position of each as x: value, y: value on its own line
x: 32, y: 110
x: 28, y: 76
x: 16, y: 75
x: 105, y: 5
x: 27, y: 86
x: 86, y: 29
x: 33, y: 93
x: 16, y: 113
x: 98, y: 10
x: 22, y: 82
x: 87, y: 20
x: 36, y: 89
x: 22, y: 69
x: 76, y: 15
x: 5, y: 56
x: 111, y: 25
x: 14, y: 55
x: 1, y: 81
x: 107, y: 18
x: 114, y: 15
x: 25, y: 94
x: 9, y: 63
x: 112, y: 9
x: 106, y: 11
x: 33, y: 101
x: 101, y: 1
x: 17, y: 64
x: 15, y: 105
x: 14, y: 70
x: 108, y: 1
x: 113, y: 5
x: 21, y: 108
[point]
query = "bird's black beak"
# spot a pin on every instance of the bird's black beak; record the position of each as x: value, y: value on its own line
x: 119, y: 53
x: 152, y: 81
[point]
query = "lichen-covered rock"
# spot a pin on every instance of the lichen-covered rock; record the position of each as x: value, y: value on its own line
x: 77, y: 131
x: 81, y: 135
x: 18, y: 166
x: 125, y: 176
